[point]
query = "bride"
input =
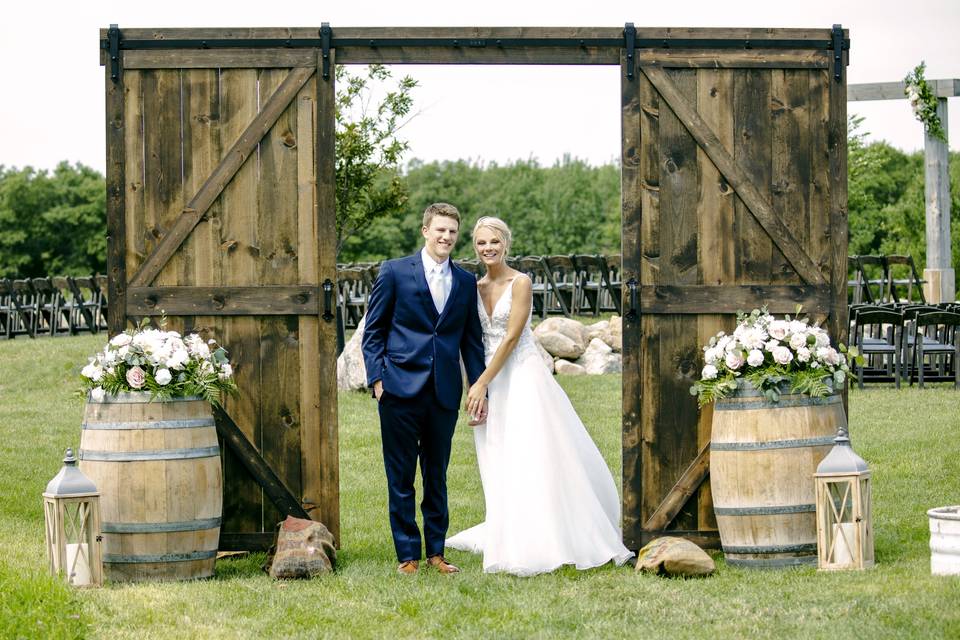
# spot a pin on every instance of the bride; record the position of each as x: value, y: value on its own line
x: 550, y: 499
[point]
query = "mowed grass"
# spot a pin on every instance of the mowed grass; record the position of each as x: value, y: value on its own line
x: 910, y: 439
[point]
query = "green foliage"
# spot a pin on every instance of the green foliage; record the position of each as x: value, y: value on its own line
x: 569, y: 207
x: 368, y: 150
x: 52, y: 224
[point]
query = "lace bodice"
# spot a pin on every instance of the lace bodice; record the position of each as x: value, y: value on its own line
x: 495, y: 327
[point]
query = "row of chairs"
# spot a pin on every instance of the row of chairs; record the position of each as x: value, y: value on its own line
x: 62, y: 305
x: 562, y: 285
x: 884, y: 279
x: 916, y: 342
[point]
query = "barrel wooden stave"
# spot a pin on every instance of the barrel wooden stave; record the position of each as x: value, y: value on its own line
x: 763, y: 456
x: 147, y: 498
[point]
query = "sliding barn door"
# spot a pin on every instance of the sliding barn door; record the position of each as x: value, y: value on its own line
x: 734, y: 197
x: 221, y: 215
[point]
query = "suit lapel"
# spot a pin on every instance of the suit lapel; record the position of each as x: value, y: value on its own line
x: 423, y: 291
x: 454, y: 285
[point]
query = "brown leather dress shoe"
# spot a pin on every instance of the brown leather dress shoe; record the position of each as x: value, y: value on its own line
x: 408, y: 568
x: 440, y: 564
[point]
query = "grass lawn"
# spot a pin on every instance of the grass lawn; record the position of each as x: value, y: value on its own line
x: 910, y: 438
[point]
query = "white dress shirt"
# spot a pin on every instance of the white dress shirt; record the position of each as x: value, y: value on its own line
x: 439, y: 279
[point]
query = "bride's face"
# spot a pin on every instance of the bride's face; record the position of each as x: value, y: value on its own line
x: 488, y: 246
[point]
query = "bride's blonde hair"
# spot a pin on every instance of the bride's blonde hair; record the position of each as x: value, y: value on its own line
x: 499, y: 227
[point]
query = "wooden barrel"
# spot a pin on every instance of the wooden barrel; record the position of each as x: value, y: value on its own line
x: 157, y: 466
x: 762, y: 459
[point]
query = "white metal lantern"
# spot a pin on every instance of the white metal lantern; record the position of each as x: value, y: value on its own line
x: 844, y: 519
x: 71, y: 509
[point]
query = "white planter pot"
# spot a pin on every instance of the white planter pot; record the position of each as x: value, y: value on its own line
x: 945, y: 541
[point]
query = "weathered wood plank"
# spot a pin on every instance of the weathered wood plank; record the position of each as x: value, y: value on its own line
x: 688, y: 483
x: 280, y: 495
x: 246, y: 541
x: 942, y: 88
x: 676, y: 418
x: 791, y: 162
x: 238, y: 251
x: 277, y: 205
x: 837, y: 146
x: 716, y: 245
x: 134, y: 202
x: 819, y: 232
x: 728, y: 299
x: 117, y: 240
x: 632, y: 195
x: 196, y: 208
x: 325, y: 199
x: 219, y: 58
x: 703, y: 539
x: 219, y: 300
x: 487, y: 55
x: 743, y: 182
x: 735, y: 59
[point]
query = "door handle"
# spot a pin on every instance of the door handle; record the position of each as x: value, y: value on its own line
x: 632, y: 313
x: 328, y: 300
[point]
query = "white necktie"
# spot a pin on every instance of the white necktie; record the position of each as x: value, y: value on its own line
x: 437, y: 289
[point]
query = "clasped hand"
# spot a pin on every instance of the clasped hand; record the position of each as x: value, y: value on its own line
x: 477, y: 403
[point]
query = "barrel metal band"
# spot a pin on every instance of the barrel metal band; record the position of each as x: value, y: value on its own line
x: 160, y: 527
x: 157, y: 454
x: 772, y: 444
x: 782, y: 548
x: 115, y: 558
x: 193, y: 423
x: 783, y: 403
x: 765, y: 511
x: 757, y: 563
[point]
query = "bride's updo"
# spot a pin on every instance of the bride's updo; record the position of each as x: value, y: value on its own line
x: 499, y: 227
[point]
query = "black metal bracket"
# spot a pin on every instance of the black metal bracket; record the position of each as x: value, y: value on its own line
x: 630, y: 44
x: 113, y: 40
x: 632, y: 314
x: 838, y: 46
x: 328, y: 300
x: 326, y: 35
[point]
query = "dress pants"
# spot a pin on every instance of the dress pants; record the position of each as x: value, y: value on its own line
x: 411, y: 429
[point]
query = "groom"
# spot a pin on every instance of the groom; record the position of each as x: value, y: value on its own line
x: 421, y: 318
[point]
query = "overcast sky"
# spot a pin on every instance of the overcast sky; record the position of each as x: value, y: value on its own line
x: 52, y: 103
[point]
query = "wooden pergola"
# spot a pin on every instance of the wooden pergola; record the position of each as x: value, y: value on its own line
x: 939, y: 274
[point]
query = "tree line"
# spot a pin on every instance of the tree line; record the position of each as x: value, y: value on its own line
x: 53, y: 222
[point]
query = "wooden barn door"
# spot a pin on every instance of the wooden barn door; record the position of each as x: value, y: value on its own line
x: 221, y: 215
x: 734, y: 197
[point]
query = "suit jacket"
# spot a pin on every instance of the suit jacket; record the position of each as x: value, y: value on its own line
x: 406, y: 341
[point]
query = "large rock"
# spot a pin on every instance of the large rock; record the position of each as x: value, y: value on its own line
x: 547, y: 358
x: 568, y: 328
x: 675, y: 557
x: 612, y: 334
x: 596, y: 329
x: 560, y: 345
x: 600, y: 358
x: 351, y: 372
x: 305, y: 549
x: 568, y: 368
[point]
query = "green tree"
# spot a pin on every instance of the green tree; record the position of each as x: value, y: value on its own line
x: 368, y: 151
x: 52, y: 223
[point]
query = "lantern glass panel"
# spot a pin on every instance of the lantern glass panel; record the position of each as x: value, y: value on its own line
x: 78, y: 541
x: 841, y: 531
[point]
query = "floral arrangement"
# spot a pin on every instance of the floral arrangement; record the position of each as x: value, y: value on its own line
x: 161, y: 362
x: 923, y: 101
x: 770, y: 354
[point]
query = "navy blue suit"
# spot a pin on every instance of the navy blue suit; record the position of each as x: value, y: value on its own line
x: 416, y: 353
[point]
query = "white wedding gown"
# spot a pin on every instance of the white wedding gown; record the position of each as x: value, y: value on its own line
x: 550, y: 498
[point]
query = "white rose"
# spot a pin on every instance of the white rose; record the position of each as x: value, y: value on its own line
x: 225, y: 372
x: 97, y: 394
x: 121, y: 340
x: 782, y: 355
x: 771, y: 345
x: 823, y: 338
x: 163, y: 377
x: 709, y: 372
x: 778, y: 329
x: 796, y: 326
x: 206, y: 367
x: 755, y: 358
x: 839, y: 376
x: 803, y: 354
x: 798, y: 340
x: 92, y: 371
x: 734, y: 360
x: 723, y: 342
x: 711, y: 355
x: 178, y: 358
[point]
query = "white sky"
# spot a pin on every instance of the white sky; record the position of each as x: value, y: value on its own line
x: 52, y: 103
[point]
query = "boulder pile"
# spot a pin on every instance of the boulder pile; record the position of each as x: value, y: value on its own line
x: 566, y: 346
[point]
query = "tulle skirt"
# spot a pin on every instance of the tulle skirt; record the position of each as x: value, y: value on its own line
x: 550, y: 498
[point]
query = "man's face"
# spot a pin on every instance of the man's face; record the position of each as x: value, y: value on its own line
x: 441, y: 237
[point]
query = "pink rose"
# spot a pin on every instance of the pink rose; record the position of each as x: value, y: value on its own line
x: 782, y: 355
x: 136, y: 377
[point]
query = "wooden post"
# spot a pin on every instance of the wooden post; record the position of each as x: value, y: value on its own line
x: 939, y: 274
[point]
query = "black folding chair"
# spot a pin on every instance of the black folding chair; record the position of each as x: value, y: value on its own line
x: 936, y: 337
x: 878, y: 336
x: 563, y: 276
x: 84, y: 299
x: 903, y: 281
x: 593, y: 283
x: 536, y: 270
x: 25, y: 299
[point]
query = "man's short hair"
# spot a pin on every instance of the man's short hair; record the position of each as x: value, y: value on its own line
x: 440, y: 209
